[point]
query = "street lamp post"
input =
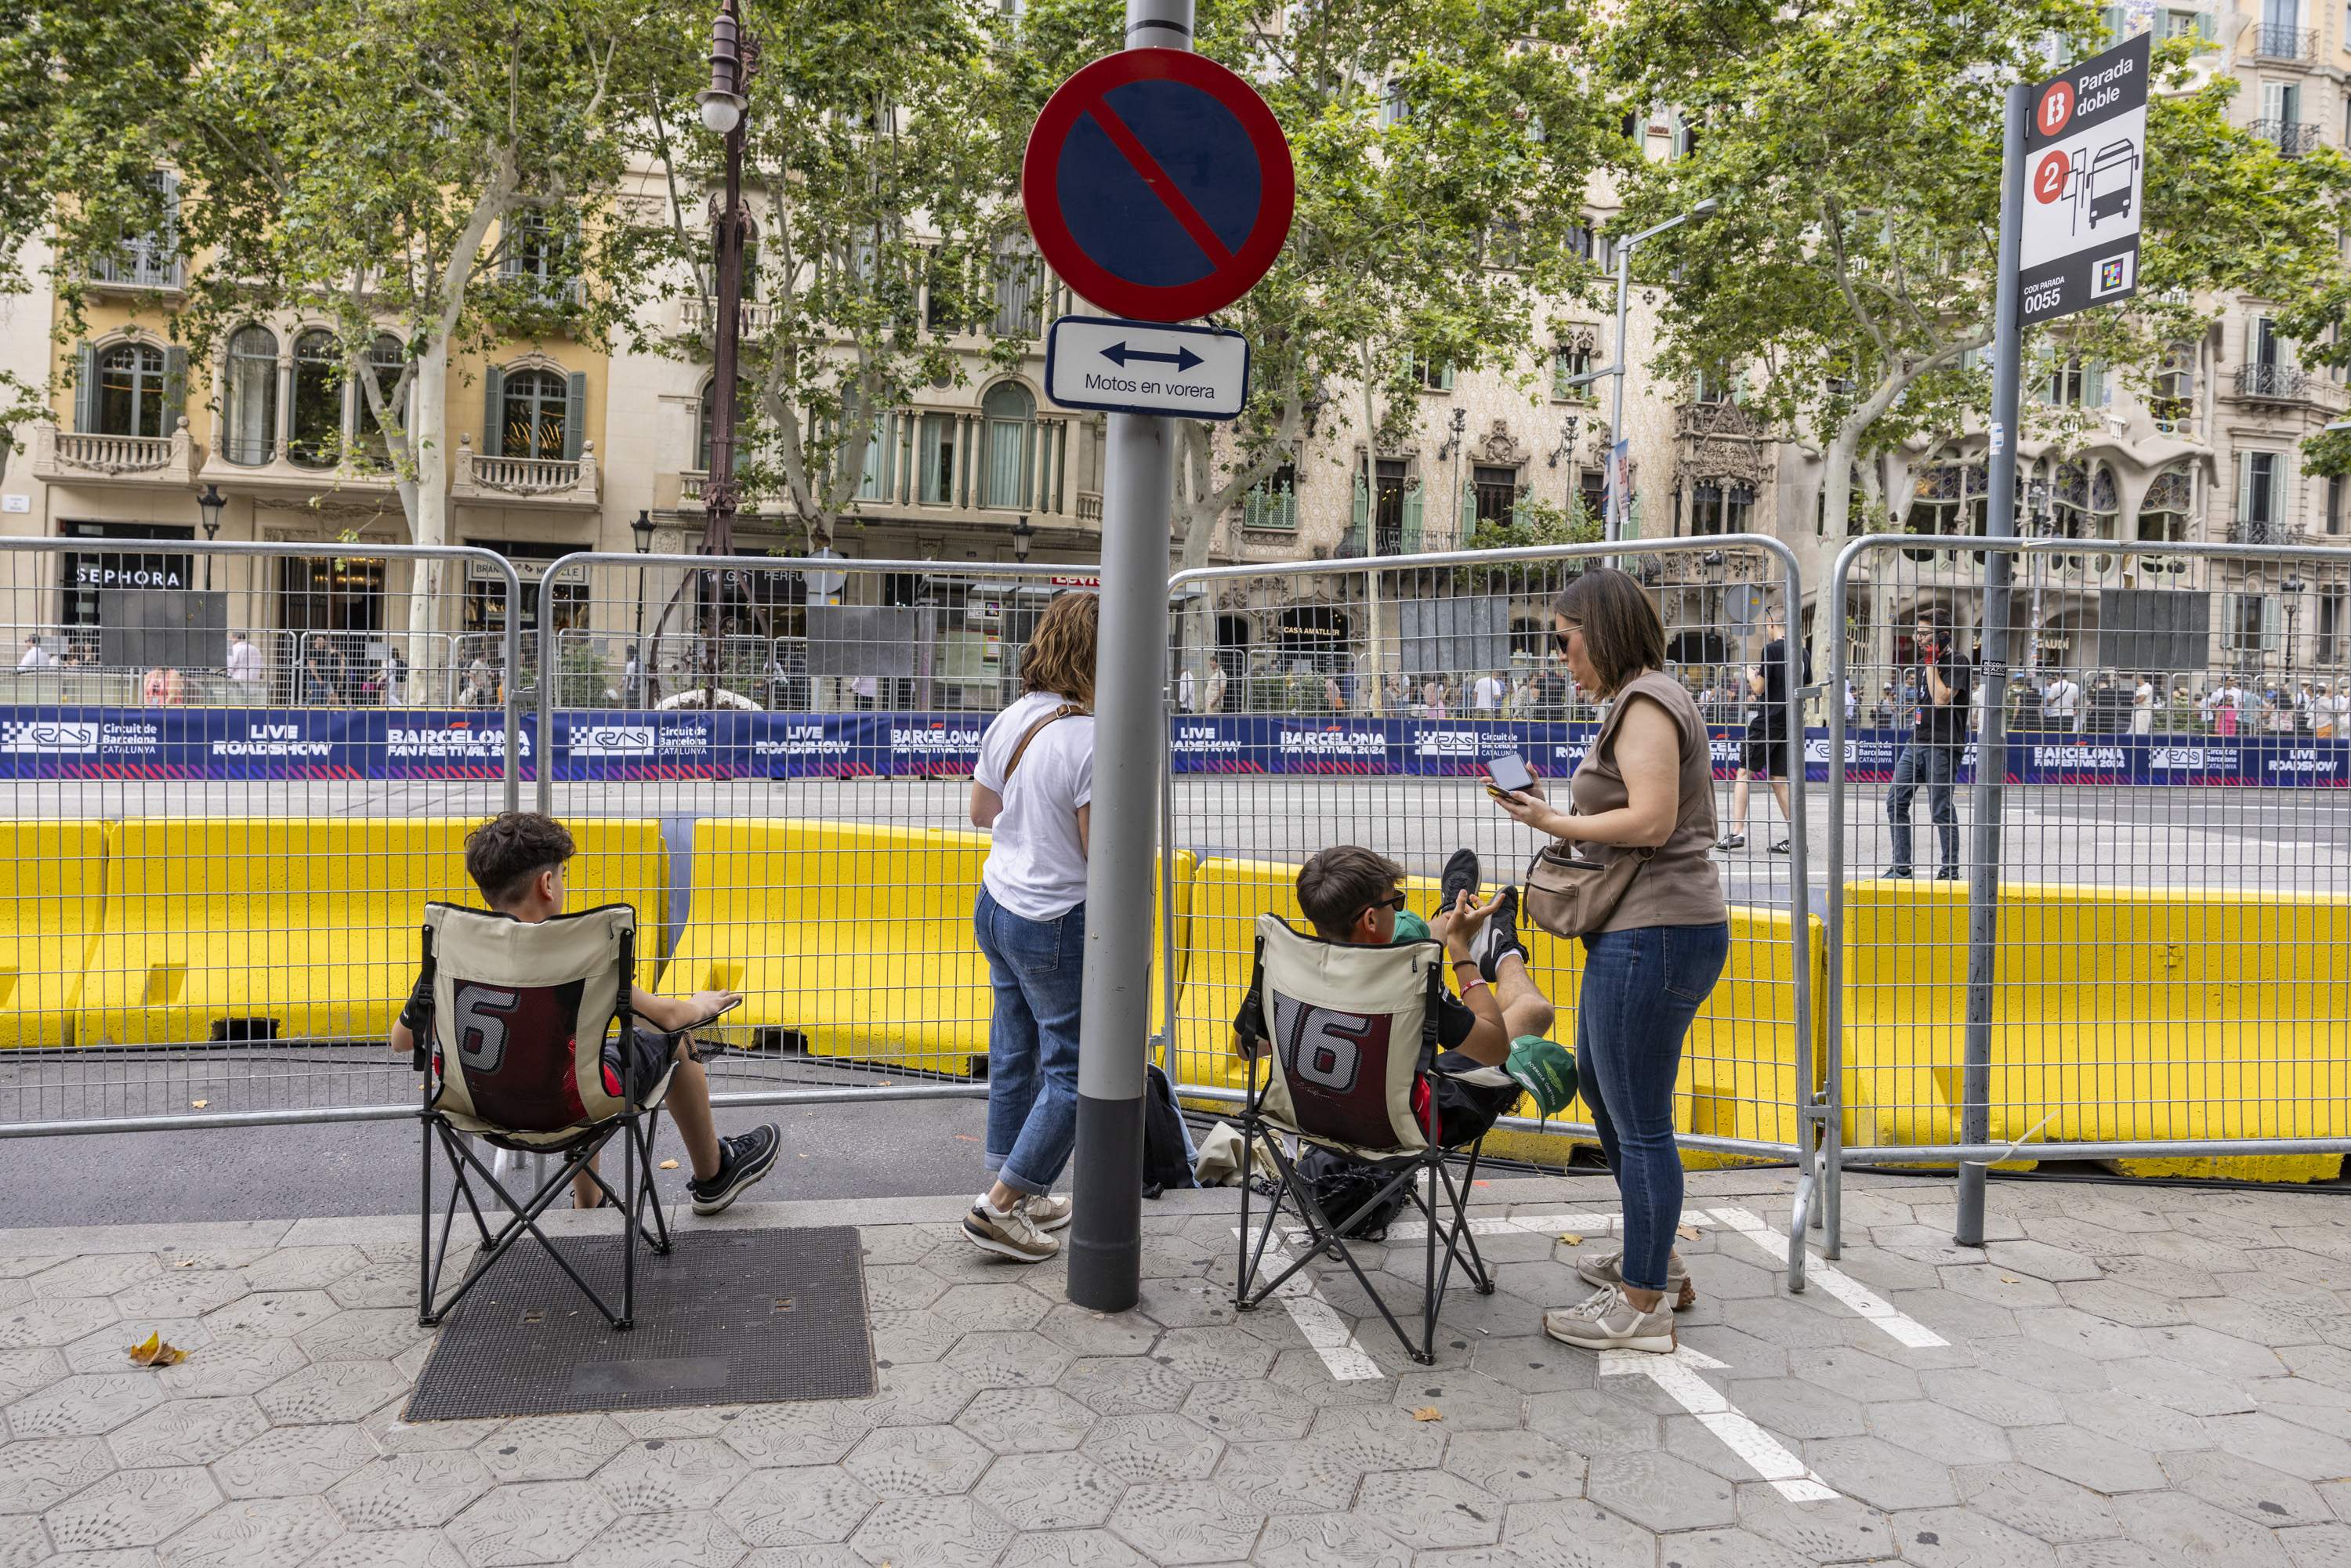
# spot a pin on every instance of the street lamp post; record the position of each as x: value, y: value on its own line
x: 210, y: 504
x: 1616, y: 501
x: 733, y: 60
x: 643, y: 530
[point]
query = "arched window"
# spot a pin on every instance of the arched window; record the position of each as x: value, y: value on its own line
x: 536, y: 404
x: 385, y: 360
x: 252, y: 396
x: 2164, y: 515
x: 315, y: 423
x: 1011, y: 415
x: 130, y: 390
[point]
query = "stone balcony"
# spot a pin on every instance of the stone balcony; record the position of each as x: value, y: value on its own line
x: 86, y: 457
x: 570, y: 484
x: 699, y: 313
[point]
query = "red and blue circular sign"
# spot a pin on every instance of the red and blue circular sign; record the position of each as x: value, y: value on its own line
x: 1158, y: 184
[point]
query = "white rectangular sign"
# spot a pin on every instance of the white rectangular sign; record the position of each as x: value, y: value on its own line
x: 2085, y: 181
x: 1147, y: 367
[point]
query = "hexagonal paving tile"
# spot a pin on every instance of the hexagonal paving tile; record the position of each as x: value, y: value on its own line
x: 1429, y: 1510
x: 2041, y: 1505
x: 45, y: 1472
x: 1882, y: 1474
x: 1249, y: 1411
x: 671, y: 1475
x: 256, y: 1532
x: 818, y: 1432
x: 1726, y: 1548
x: 1955, y: 1538
x: 238, y: 1365
x: 405, y: 1492
x: 1576, y: 1534
x: 552, y: 1448
x: 363, y: 1333
x: 991, y: 1307
x: 95, y: 1274
x: 2100, y: 1463
x: 531, y: 1521
x: 925, y: 1395
x: 133, y: 1508
x: 2197, y: 1532
x: 952, y: 1531
x: 1126, y: 1384
x: 1026, y: 1420
x: 1071, y: 1548
x: 2251, y: 1490
x: 277, y: 1314
x: 804, y: 1507
x: 29, y: 1371
x: 304, y: 1268
x: 390, y: 1549
x: 388, y: 1284
x: 1052, y: 1492
x: 24, y: 1541
x: 2283, y: 1445
x: 1213, y: 1354
x: 917, y: 1461
x: 1328, y: 1540
x: 1015, y: 1359
x: 1660, y: 1492
x: 187, y: 1432
x: 332, y: 1391
x: 1841, y: 1530
x: 288, y: 1461
x: 902, y: 1339
x: 1517, y: 1467
x: 1083, y: 1332
x: 1187, y: 1522
x: 1155, y: 1447
x: 86, y: 1406
x: 1989, y: 1396
x: 181, y: 1295
x: 1593, y: 1421
x: 670, y: 1540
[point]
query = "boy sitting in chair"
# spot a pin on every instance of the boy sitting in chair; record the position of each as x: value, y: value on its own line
x: 516, y: 859
x: 1354, y: 896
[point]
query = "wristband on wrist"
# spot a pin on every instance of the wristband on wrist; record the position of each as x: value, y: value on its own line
x: 1469, y: 984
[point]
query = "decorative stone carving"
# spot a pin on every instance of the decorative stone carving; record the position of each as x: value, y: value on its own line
x: 1498, y: 445
x: 1721, y: 441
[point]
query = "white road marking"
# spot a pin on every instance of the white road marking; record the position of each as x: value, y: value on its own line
x: 1678, y: 1375
x: 1320, y: 1321
x: 1904, y: 1329
x: 1527, y: 1224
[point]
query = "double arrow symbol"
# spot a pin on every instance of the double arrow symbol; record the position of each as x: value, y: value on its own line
x: 1183, y: 358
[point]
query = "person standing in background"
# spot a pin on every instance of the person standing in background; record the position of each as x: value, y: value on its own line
x: 244, y: 661
x: 2142, y: 720
x: 1930, y: 757
x: 1486, y: 697
x: 1770, y: 751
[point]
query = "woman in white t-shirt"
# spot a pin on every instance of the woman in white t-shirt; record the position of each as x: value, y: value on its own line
x: 1033, y: 788
x: 2143, y: 707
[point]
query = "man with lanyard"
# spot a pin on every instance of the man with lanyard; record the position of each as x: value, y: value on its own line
x: 1930, y: 757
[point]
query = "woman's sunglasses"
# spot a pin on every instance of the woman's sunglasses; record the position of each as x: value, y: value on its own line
x: 1560, y: 638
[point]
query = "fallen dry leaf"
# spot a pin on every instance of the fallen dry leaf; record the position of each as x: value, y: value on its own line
x: 200, y: 1105
x: 185, y: 1263
x: 1428, y: 1413
x: 669, y: 1165
x: 152, y: 1351
x: 1687, y: 1232
x: 2008, y: 1279
x: 1571, y: 1238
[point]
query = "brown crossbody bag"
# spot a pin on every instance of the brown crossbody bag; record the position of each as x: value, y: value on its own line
x: 1067, y: 710
x: 1569, y: 896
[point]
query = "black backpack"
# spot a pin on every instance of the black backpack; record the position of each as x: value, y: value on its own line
x: 1342, y: 1185
x: 1165, y: 1163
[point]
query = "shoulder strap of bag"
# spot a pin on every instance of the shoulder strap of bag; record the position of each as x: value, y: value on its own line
x: 1067, y: 710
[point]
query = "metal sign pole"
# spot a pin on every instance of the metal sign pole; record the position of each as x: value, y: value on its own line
x: 1138, y: 490
x: 1991, y: 746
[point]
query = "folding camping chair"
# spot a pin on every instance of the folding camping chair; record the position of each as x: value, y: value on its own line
x: 1354, y: 1041
x: 516, y: 1052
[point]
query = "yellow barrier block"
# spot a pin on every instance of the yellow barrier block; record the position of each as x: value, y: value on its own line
x: 228, y: 928
x: 1738, y: 1070
x: 2118, y: 1014
x: 52, y: 898
x: 856, y: 937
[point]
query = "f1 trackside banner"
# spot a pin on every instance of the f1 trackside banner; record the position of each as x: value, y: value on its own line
x: 388, y: 744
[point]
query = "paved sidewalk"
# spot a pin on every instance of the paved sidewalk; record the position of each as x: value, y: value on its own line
x: 2130, y: 1377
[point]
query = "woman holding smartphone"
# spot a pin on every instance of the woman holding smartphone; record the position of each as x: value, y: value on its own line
x: 1645, y: 787
x: 1033, y: 788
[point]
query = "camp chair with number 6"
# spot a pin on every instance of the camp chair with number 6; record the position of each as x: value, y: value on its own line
x: 515, y: 1056
x: 1354, y: 1040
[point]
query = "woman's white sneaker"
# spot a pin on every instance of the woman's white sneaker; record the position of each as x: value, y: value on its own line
x: 1046, y: 1211
x: 1607, y: 1320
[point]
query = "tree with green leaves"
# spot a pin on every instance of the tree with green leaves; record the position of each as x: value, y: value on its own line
x: 876, y: 172
x: 1856, y: 148
x: 87, y: 94
x: 1442, y: 149
x: 440, y: 170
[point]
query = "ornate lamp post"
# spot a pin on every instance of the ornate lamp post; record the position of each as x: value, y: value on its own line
x: 211, y: 503
x: 733, y: 60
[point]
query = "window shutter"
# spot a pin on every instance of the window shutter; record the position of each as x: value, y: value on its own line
x: 1468, y: 511
x: 175, y: 388
x: 2244, y: 488
x: 1518, y: 508
x: 2094, y: 384
x: 1412, y: 499
x: 1445, y: 377
x: 494, y: 414
x: 85, y: 387
x: 575, y: 415
x: 2269, y: 638
x: 2204, y: 26
x: 1360, y: 513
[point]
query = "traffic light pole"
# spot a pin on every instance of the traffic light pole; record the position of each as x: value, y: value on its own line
x: 1105, y: 1236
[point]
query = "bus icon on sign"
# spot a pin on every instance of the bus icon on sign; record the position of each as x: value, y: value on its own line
x: 2108, y: 182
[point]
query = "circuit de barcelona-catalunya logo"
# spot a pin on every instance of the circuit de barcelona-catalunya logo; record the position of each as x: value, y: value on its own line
x: 49, y: 736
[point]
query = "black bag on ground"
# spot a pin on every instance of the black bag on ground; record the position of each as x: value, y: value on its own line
x: 1167, y: 1150
x: 1342, y: 1184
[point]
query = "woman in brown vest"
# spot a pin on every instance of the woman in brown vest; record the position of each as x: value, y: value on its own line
x: 1647, y: 788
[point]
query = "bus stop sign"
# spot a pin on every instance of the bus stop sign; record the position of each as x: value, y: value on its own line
x: 2085, y: 183
x: 1158, y: 184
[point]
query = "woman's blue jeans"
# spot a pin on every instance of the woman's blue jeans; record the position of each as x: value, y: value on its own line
x: 1032, y: 1042
x: 1641, y: 990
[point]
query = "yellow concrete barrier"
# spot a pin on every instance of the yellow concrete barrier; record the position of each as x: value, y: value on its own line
x: 52, y: 897
x: 303, y: 927
x: 1738, y: 1071
x: 855, y: 936
x: 2119, y: 1014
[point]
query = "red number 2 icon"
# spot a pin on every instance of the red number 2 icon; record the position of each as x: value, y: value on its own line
x: 2049, y: 177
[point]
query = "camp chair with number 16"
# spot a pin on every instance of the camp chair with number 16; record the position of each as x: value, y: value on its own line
x: 1354, y: 1040
x: 514, y: 1055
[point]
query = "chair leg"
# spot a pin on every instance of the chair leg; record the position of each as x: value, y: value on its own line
x: 1480, y: 1276
x: 425, y: 1280
x: 628, y: 1227
x: 1431, y: 1293
x: 526, y: 1216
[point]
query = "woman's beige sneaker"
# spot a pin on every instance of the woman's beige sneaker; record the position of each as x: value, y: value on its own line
x: 1008, y: 1235
x: 1602, y: 1269
x: 1046, y: 1211
x: 1608, y: 1321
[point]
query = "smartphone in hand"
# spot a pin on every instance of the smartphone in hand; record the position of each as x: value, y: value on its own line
x: 1507, y: 774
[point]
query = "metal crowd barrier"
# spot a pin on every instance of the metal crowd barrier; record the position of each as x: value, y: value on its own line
x: 2151, y: 969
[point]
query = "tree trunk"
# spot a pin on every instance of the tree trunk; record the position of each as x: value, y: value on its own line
x: 425, y: 499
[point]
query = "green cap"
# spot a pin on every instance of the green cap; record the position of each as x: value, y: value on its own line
x: 1544, y: 1070
x: 1409, y: 927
